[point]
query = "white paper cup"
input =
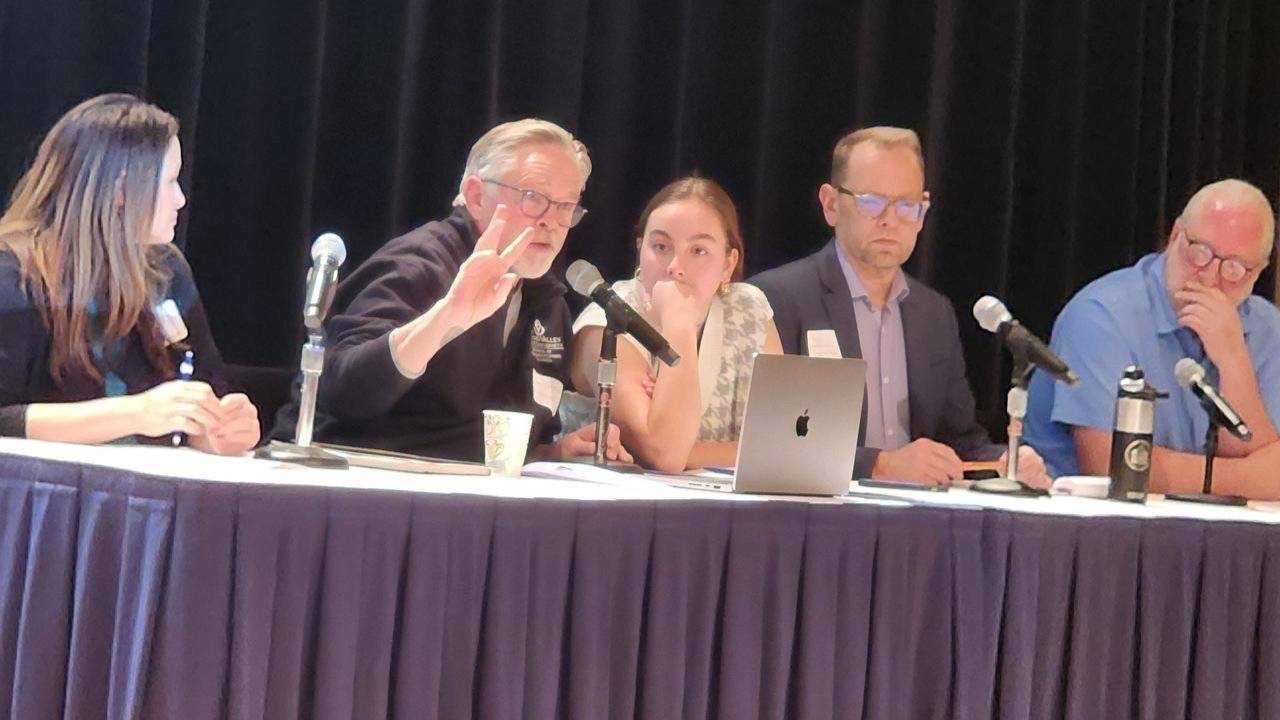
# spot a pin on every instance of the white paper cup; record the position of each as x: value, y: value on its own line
x: 506, y: 438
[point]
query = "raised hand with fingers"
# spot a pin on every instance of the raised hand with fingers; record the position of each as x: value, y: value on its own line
x: 485, y: 279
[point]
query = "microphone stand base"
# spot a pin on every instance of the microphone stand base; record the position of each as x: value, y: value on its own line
x: 996, y: 485
x: 1205, y: 496
x: 305, y: 455
x: 1207, y: 499
x: 614, y: 465
x: 1005, y: 486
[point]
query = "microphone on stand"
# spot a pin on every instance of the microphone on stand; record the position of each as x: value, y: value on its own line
x: 328, y: 253
x: 994, y: 317
x: 1191, y: 375
x: 1027, y: 350
x: 585, y: 279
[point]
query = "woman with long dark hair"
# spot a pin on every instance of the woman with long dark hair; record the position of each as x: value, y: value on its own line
x: 98, y: 310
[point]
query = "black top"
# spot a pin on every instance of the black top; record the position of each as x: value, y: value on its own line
x: 25, y: 344
x: 812, y: 294
x: 364, y: 400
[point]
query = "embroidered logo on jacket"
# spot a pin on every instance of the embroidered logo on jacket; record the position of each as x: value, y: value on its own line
x: 545, y: 348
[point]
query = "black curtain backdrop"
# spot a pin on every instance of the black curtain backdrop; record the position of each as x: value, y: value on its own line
x: 1061, y: 136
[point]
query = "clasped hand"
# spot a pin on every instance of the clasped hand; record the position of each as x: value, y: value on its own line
x: 226, y: 426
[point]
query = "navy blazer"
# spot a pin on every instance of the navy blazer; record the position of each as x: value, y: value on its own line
x: 812, y: 294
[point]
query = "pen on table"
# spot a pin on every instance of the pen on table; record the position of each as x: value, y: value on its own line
x: 186, y: 368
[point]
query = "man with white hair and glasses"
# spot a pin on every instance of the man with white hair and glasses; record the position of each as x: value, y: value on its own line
x: 1193, y: 299
x: 461, y: 315
x: 852, y: 298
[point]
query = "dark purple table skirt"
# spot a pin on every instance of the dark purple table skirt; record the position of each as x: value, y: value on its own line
x: 128, y: 596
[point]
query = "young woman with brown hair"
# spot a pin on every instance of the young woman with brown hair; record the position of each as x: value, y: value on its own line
x: 690, y: 259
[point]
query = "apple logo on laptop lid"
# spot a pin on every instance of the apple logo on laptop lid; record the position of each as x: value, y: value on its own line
x: 802, y: 424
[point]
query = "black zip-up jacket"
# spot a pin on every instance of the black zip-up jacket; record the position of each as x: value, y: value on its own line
x: 365, y: 400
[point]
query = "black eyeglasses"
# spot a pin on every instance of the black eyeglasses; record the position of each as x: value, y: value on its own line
x: 534, y: 205
x: 873, y: 205
x: 1199, y: 254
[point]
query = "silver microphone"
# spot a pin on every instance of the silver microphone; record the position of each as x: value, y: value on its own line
x: 994, y: 317
x: 327, y: 254
x: 1191, y: 376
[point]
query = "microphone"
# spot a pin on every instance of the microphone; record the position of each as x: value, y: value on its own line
x: 327, y: 255
x: 1191, y: 375
x: 585, y: 279
x: 994, y: 317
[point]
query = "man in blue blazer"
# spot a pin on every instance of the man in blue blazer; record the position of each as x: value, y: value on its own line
x: 852, y: 298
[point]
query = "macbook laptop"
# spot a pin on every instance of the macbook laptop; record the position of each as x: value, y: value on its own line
x: 800, y: 428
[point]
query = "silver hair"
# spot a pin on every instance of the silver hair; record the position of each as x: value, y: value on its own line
x: 495, y: 152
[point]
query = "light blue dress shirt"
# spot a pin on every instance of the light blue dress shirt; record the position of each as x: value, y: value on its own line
x: 1125, y: 318
x: 885, y: 350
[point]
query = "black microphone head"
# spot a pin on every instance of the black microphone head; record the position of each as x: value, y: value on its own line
x: 668, y: 356
x: 583, y: 277
x: 329, y: 245
x: 1188, y: 371
x: 991, y: 313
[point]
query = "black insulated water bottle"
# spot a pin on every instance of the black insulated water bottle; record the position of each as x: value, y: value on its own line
x: 1131, y: 440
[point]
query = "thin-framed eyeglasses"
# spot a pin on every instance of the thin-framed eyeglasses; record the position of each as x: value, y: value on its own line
x: 534, y: 204
x: 874, y: 205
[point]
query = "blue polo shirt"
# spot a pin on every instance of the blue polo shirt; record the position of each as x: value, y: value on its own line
x: 1125, y: 318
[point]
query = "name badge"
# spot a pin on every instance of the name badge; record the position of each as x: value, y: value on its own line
x: 822, y: 343
x: 170, y: 320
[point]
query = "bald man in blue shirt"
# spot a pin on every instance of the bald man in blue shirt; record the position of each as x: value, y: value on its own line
x: 1194, y: 299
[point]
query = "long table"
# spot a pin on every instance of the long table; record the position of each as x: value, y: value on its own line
x: 148, y: 582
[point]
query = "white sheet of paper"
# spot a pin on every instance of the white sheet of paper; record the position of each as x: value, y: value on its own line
x: 547, y: 391
x: 822, y: 343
